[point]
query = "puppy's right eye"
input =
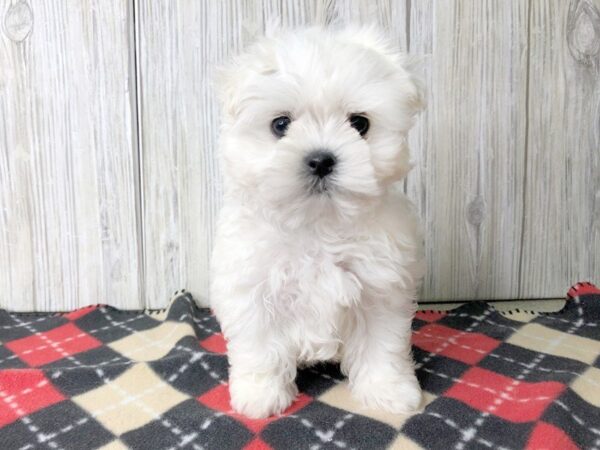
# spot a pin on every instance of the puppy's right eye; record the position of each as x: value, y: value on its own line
x: 279, y: 125
x: 359, y: 123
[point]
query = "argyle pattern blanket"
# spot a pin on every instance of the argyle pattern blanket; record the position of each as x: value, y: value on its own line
x: 98, y: 377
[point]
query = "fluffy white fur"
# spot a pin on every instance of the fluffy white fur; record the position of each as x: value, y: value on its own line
x: 300, y: 276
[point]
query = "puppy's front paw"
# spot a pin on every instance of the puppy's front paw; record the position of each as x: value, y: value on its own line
x: 261, y: 397
x: 399, y: 394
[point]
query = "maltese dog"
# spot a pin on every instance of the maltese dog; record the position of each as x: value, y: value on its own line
x: 317, y: 257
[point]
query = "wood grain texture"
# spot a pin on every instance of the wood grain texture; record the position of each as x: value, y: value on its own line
x: 469, y: 146
x: 109, y: 178
x: 561, y: 234
x: 68, y: 234
x: 179, y: 44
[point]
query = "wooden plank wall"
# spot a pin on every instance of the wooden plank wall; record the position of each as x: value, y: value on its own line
x: 109, y: 182
x: 561, y: 226
x: 470, y: 144
x: 68, y: 156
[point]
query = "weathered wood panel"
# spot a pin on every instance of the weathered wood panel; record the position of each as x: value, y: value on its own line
x: 561, y: 234
x: 507, y: 172
x: 67, y: 156
x: 179, y: 44
x: 470, y: 144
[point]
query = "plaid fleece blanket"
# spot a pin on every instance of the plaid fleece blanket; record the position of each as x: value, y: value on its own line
x: 102, y: 378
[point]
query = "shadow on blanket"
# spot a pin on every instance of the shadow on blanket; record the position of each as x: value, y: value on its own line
x: 100, y: 377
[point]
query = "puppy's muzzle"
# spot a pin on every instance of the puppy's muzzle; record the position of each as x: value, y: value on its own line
x: 320, y: 163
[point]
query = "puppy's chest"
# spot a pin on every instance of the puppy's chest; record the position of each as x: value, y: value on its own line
x: 320, y: 286
x: 329, y: 275
x: 318, y: 276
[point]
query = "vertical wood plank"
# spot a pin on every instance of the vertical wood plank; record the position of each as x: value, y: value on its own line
x: 469, y: 146
x: 507, y: 175
x: 68, y: 232
x: 561, y: 235
x: 180, y: 42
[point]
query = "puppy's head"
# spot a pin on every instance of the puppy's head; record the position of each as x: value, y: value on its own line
x: 315, y: 123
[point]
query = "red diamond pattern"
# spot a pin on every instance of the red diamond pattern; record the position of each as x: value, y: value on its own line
x: 257, y: 444
x: 218, y: 398
x: 74, y: 315
x: 430, y: 316
x: 463, y: 346
x: 516, y: 401
x: 24, y: 391
x: 215, y: 343
x: 43, y: 348
x: 548, y: 437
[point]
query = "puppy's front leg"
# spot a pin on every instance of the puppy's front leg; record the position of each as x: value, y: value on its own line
x: 377, y: 357
x: 262, y: 373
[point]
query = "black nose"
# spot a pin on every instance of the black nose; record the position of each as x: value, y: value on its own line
x: 320, y: 163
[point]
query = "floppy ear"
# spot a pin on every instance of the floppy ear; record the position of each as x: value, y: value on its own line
x: 258, y: 58
x: 372, y: 38
x: 225, y: 79
x: 413, y: 66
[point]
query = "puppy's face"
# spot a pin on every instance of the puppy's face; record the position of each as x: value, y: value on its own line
x: 315, y: 123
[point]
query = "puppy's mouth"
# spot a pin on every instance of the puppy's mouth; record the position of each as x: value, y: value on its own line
x: 318, y: 186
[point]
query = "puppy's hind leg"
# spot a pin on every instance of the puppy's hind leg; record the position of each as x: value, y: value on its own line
x: 377, y: 356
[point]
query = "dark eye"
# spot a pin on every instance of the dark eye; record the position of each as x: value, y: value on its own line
x: 279, y: 125
x: 359, y: 123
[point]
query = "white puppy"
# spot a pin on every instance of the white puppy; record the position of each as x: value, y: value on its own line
x: 316, y: 257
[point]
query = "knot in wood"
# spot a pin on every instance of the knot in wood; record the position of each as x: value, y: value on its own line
x: 476, y: 211
x: 18, y: 21
x: 583, y: 32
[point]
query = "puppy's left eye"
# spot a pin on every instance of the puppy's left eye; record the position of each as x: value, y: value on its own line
x: 359, y: 123
x: 279, y: 125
